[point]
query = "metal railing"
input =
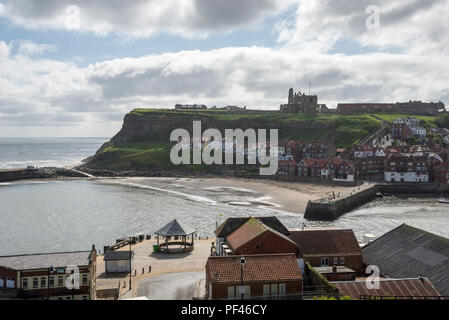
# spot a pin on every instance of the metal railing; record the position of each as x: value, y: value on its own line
x: 373, y: 297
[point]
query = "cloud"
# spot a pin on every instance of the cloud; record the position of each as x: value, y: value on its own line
x: 44, y: 92
x: 142, y: 18
x: 4, y: 50
x: 417, y: 27
x: 28, y: 47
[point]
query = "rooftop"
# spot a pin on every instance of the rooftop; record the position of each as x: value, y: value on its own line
x: 417, y: 287
x: 174, y: 228
x: 271, y: 267
x: 327, y: 241
x: 232, y: 224
x: 117, y: 255
x: 46, y: 260
x: 407, y: 252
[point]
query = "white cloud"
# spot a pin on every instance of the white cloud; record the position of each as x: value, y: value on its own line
x: 36, y: 91
x: 142, y: 18
x: 418, y: 27
x: 28, y: 47
x: 4, y: 50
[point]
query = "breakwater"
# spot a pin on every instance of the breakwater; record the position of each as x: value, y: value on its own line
x: 328, y: 210
x: 40, y: 173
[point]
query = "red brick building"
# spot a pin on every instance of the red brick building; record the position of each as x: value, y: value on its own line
x: 441, y: 173
x: 43, y: 276
x: 287, y: 167
x: 254, y: 237
x: 329, y: 247
x: 271, y: 276
x: 317, y: 150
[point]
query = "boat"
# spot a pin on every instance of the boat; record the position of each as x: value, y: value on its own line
x: 442, y: 199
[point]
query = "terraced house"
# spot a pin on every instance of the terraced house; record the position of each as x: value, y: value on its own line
x: 49, y: 276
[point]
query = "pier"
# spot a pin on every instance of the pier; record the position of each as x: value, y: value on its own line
x: 39, y: 173
x: 331, y: 209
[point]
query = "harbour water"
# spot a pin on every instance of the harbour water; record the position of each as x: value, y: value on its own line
x: 52, y: 216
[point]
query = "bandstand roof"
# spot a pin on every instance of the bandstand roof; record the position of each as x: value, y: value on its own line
x: 174, y: 228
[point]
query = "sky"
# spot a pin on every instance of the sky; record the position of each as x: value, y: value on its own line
x: 76, y: 67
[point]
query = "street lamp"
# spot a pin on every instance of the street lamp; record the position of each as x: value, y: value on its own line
x: 130, y: 267
x: 51, y: 270
x: 242, y: 263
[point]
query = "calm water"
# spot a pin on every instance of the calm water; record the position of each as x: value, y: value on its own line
x: 73, y: 215
x: 46, y: 152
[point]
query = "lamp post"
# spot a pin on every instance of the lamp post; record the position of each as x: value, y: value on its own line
x: 130, y: 267
x: 242, y: 263
x: 49, y: 270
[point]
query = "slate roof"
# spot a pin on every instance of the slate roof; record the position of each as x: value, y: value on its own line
x: 388, y: 288
x: 174, y: 228
x: 272, y: 267
x: 117, y: 255
x: 407, y: 252
x: 232, y: 224
x: 46, y: 260
x: 327, y: 241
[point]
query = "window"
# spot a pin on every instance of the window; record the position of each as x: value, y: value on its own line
x: 84, y: 279
x: 274, y: 290
x: 85, y: 297
x: 266, y: 290
x: 51, y: 282
x: 35, y: 282
x: 325, y: 262
x: 43, y: 282
x: 281, y: 289
x: 342, y: 260
x: 335, y: 261
x: 231, y: 293
x: 25, y: 283
x: 1, y: 282
x: 60, y: 281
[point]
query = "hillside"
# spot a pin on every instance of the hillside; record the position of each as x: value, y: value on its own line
x: 143, y: 142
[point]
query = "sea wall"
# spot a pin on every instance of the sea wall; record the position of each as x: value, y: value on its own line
x: 41, y: 173
x: 328, y: 210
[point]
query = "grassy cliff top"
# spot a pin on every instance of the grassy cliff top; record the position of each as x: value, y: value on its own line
x: 153, y: 151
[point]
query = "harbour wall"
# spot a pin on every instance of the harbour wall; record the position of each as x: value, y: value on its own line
x: 328, y: 210
x: 41, y: 173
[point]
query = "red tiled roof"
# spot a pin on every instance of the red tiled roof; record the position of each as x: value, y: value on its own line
x: 248, y: 231
x: 389, y: 288
x: 318, y: 241
x: 272, y: 267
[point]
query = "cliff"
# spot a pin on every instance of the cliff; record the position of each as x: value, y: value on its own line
x: 144, y: 140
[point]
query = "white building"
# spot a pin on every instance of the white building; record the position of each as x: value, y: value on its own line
x: 418, y: 131
x: 118, y: 261
x: 406, y: 177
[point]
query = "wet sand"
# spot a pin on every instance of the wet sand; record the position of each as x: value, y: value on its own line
x: 290, y: 196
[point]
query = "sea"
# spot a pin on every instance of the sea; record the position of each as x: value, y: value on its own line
x: 57, y: 216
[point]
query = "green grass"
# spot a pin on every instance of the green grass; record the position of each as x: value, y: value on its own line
x: 390, y: 117
x: 154, y: 151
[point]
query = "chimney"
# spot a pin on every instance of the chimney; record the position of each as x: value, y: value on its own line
x: 421, y: 277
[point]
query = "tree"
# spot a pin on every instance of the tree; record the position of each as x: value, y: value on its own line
x: 442, y: 121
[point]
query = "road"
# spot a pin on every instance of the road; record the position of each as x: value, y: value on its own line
x: 171, y: 286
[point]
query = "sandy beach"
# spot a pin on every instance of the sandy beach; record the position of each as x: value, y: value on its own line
x: 289, y: 196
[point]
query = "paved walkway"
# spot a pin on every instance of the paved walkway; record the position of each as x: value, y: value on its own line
x: 172, y: 286
x: 160, y: 263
